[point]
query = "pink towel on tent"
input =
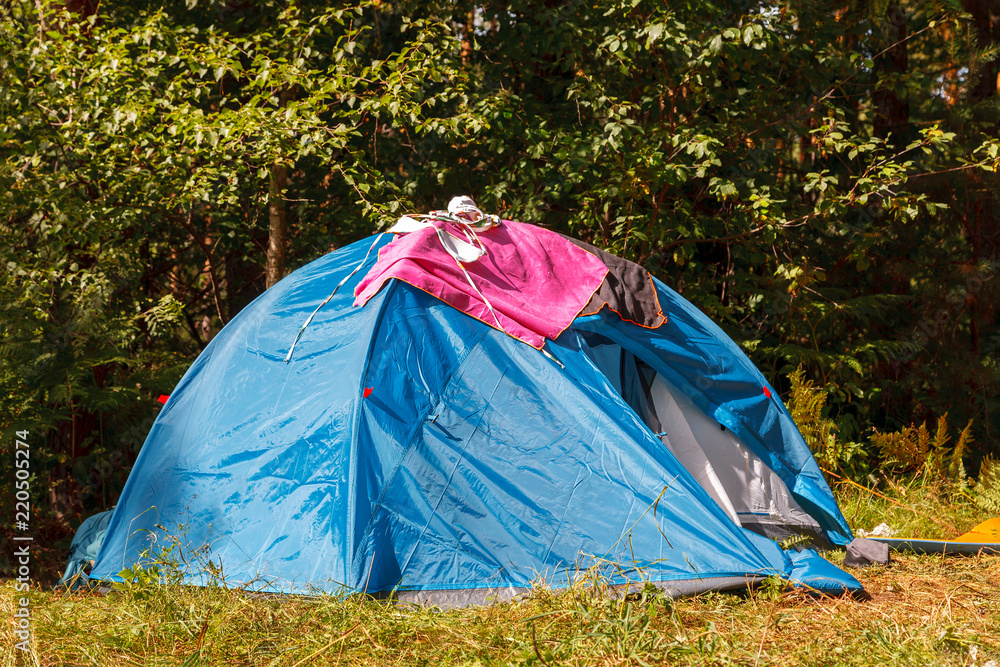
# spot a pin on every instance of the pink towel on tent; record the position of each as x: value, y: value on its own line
x: 536, y: 280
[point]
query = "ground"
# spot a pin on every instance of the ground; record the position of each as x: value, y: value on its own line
x: 920, y: 610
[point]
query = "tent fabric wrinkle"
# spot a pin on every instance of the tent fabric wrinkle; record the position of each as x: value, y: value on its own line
x: 411, y: 449
x: 536, y: 281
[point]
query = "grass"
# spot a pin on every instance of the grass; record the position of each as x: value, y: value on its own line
x: 917, y: 507
x: 922, y: 610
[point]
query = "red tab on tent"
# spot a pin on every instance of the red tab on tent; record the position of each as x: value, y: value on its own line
x: 767, y: 392
x: 368, y: 391
x: 163, y: 398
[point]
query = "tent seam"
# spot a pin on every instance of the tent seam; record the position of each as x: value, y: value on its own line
x: 356, y: 422
x: 416, y: 431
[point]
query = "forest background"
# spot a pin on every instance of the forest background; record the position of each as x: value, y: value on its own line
x: 819, y: 177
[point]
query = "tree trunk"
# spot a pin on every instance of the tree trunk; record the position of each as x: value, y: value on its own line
x: 277, y: 240
x: 893, y: 110
x: 986, y: 20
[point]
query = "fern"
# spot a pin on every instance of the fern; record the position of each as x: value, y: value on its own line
x: 905, y: 449
x: 956, y: 468
x: 936, y: 447
x: 913, y: 449
x: 941, y: 436
x: 986, y: 493
x: 923, y: 449
x: 795, y: 541
x: 806, y: 406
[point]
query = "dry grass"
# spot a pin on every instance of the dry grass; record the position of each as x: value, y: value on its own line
x: 922, y: 610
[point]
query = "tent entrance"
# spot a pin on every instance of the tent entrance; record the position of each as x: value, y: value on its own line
x: 739, y: 481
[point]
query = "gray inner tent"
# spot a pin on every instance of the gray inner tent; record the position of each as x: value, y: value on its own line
x: 739, y: 481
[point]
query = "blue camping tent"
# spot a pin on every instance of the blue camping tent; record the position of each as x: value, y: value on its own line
x: 84, y: 548
x: 408, y: 447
